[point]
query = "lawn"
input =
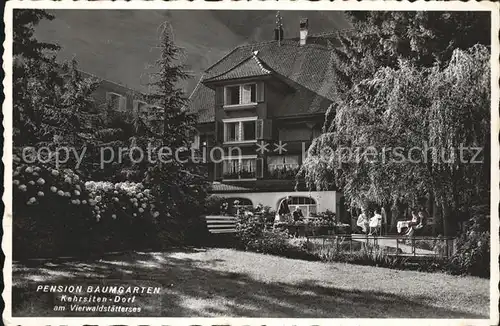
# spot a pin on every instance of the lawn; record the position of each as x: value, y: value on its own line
x: 224, y: 282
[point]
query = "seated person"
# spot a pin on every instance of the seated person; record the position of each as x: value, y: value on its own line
x: 422, y: 219
x: 415, y: 220
x: 375, y: 222
x: 422, y: 214
x: 363, y: 221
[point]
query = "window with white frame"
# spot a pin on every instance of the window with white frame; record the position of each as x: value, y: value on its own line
x: 239, y: 203
x: 240, y: 94
x: 196, y: 141
x: 116, y: 101
x: 243, y: 130
x: 243, y: 167
x: 306, y: 204
x: 140, y: 108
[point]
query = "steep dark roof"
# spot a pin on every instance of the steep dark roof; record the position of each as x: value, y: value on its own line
x: 251, y: 67
x: 307, y: 68
x: 202, y: 103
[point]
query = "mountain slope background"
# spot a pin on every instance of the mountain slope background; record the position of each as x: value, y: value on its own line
x: 119, y: 45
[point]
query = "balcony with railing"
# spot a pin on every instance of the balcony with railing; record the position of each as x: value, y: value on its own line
x: 240, y: 169
x: 239, y: 175
x: 283, y: 171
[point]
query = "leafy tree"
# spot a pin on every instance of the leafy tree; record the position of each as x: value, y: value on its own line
x: 381, y: 38
x: 33, y: 60
x: 25, y: 45
x: 428, y: 109
x: 388, y: 71
x: 50, y: 100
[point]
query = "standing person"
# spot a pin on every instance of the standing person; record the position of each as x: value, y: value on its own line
x: 224, y: 207
x: 363, y: 221
x: 284, y: 210
x: 297, y: 214
x: 236, y: 207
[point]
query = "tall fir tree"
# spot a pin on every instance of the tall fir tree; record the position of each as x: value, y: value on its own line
x: 178, y: 182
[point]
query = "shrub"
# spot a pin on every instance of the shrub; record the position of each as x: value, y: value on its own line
x: 249, y: 228
x: 374, y: 257
x: 254, y: 234
x: 213, y: 205
x: 126, y: 216
x: 267, y: 214
x: 269, y: 242
x: 313, y: 226
x: 124, y: 200
x: 327, y: 215
x: 472, y: 255
x: 69, y: 217
x: 50, y: 209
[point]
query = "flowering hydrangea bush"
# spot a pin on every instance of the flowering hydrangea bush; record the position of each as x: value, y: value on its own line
x: 120, y: 200
x: 69, y: 216
x: 51, y: 206
x: 35, y: 185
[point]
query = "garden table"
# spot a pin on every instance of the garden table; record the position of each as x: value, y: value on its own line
x: 402, y: 224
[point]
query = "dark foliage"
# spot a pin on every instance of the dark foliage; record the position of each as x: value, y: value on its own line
x: 473, y: 245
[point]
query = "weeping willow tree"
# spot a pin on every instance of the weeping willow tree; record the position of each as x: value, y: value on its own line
x: 410, y: 132
x: 459, y: 118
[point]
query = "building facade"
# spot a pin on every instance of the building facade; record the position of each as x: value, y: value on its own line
x: 114, y: 99
x: 261, y: 106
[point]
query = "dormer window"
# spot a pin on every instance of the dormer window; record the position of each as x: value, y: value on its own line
x: 240, y: 94
x: 140, y: 107
x: 116, y: 101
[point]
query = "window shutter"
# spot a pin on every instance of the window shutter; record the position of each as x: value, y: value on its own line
x: 123, y: 103
x: 218, y: 170
x: 260, y: 92
x: 137, y: 107
x: 267, y: 129
x: 258, y: 129
x: 260, y: 167
x: 219, y: 95
x: 219, y: 132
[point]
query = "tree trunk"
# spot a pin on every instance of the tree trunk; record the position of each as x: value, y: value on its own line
x: 388, y: 218
x: 446, y: 215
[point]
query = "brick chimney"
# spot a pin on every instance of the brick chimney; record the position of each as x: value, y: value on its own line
x: 278, y: 30
x: 304, y: 29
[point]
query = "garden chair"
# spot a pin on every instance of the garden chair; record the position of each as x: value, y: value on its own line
x: 377, y: 228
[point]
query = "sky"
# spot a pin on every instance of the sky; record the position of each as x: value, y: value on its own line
x: 120, y: 45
